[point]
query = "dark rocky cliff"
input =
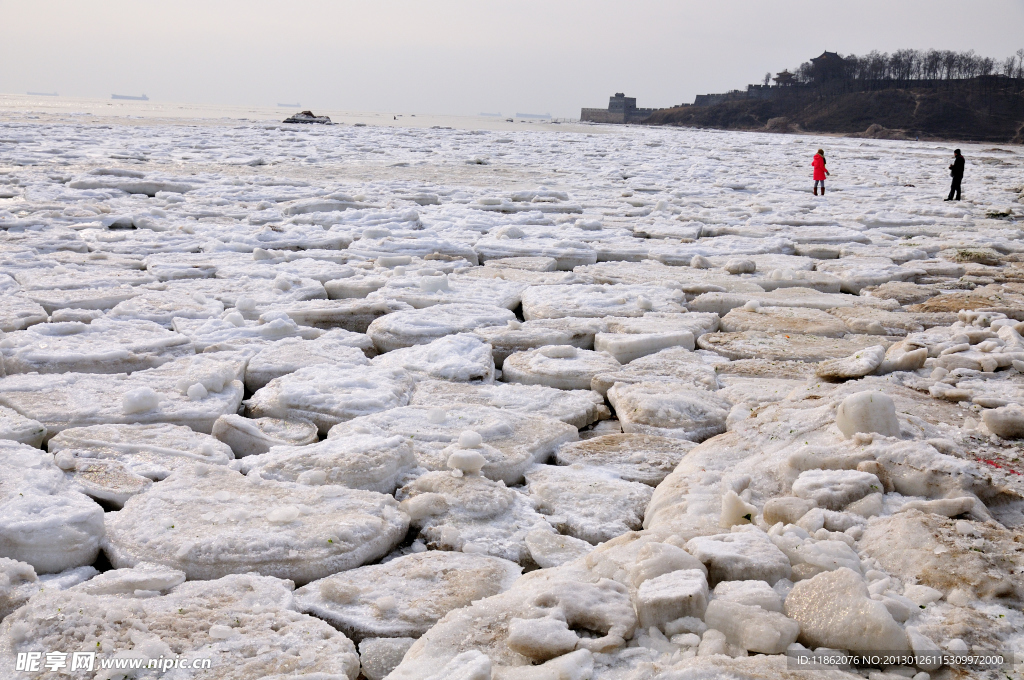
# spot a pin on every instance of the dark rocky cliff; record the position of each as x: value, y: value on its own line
x: 964, y: 111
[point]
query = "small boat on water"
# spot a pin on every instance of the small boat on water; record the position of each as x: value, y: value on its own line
x: 143, y: 98
x: 43, y: 94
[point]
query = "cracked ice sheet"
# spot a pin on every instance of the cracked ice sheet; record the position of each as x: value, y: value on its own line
x: 64, y: 400
x: 256, y: 190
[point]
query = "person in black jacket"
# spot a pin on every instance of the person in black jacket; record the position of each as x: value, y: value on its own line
x: 957, y: 171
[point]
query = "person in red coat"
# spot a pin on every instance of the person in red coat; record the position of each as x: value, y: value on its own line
x: 819, y: 171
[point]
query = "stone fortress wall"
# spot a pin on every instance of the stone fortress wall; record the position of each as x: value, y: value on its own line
x: 621, y: 109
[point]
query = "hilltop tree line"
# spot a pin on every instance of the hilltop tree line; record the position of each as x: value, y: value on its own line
x: 905, y: 66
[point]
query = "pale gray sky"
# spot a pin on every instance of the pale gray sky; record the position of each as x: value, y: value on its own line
x: 460, y: 56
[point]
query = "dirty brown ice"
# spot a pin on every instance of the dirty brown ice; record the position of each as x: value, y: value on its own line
x: 346, y: 401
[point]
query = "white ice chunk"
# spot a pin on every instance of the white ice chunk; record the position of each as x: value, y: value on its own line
x: 669, y: 410
x: 587, y: 503
x: 407, y: 595
x: 421, y: 326
x: 552, y: 302
x: 102, y: 346
x: 552, y: 550
x: 248, y: 621
x: 209, y: 521
x: 834, y: 610
x: 634, y: 457
x: 459, y: 358
x: 751, y: 627
x: 472, y: 514
x: 44, y: 520
x: 17, y: 427
x: 114, y: 462
x: 80, y: 399
x: 835, y: 489
x: 751, y: 593
x: 510, y: 442
x: 561, y: 366
x: 329, y: 394
x: 576, y: 407
x: 249, y: 436
x: 671, y: 596
x: 626, y: 347
x: 358, y: 462
x: 868, y: 412
x: 741, y: 556
x: 289, y: 355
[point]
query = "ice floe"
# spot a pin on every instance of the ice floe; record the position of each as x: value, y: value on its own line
x: 715, y: 420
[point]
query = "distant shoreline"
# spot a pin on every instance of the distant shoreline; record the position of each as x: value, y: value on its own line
x: 948, y: 114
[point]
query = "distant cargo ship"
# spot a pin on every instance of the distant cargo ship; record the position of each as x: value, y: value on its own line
x: 43, y: 94
x: 143, y: 98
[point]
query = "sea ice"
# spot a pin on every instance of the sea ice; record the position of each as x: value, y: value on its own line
x: 422, y: 326
x: 784, y: 347
x: 431, y: 287
x: 209, y: 521
x: 163, y: 306
x: 587, y: 503
x: 329, y: 394
x: 114, y: 462
x: 578, y: 408
x: 509, y: 442
x: 17, y: 427
x: 553, y: 302
x: 18, y: 312
x: 457, y: 358
x: 677, y: 365
x: 633, y: 457
x: 99, y: 347
x: 868, y: 412
x: 520, y: 337
x: 249, y: 436
x: 405, y: 596
x: 804, y: 320
x: 379, y: 656
x: 561, y: 366
x: 669, y: 410
x: 60, y: 401
x: 472, y: 514
x: 299, y: 252
x: 672, y: 596
x: 44, y: 520
x: 233, y: 332
x: 19, y: 582
x: 740, y: 556
x: 289, y: 355
x: 835, y: 489
x: 834, y: 610
x: 358, y: 462
x: 247, y: 622
x: 354, y: 316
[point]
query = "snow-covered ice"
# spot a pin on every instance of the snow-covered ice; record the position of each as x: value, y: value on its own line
x: 209, y: 521
x: 405, y: 596
x: 114, y: 462
x: 248, y: 623
x: 508, y: 441
x: 762, y: 420
x: 331, y: 393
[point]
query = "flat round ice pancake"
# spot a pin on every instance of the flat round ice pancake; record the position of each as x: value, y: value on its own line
x: 210, y: 521
x: 407, y: 595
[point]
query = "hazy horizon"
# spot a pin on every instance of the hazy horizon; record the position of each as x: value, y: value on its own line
x: 457, y: 57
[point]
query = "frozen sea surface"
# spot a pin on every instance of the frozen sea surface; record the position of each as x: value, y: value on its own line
x: 710, y: 416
